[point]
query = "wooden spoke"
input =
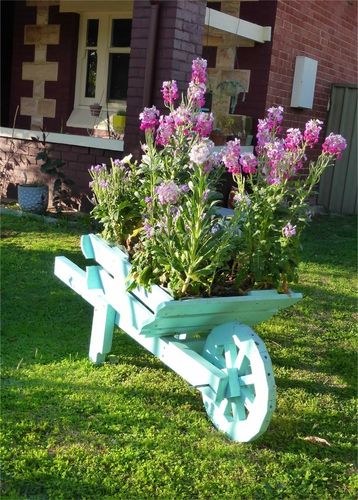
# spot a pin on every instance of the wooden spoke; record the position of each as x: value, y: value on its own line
x: 244, y: 408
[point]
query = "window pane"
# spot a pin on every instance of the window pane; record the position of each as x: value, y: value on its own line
x: 121, y: 32
x: 118, y: 76
x: 91, y: 73
x: 92, y: 33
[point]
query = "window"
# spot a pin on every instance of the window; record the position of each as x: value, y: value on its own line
x: 102, y: 65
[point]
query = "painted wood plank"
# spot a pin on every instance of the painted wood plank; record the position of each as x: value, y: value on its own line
x: 237, y: 26
x: 102, y: 333
x: 116, y: 263
x: 350, y: 187
x: 201, y: 315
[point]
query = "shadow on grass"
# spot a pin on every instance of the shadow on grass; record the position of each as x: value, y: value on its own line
x: 133, y: 404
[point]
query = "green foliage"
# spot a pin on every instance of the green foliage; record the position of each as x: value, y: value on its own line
x: 134, y: 429
x: 117, y: 199
x: 53, y: 167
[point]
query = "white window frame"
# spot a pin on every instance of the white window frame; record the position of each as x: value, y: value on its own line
x: 80, y: 115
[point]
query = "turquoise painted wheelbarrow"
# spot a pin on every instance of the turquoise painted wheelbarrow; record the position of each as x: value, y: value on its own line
x: 208, y: 341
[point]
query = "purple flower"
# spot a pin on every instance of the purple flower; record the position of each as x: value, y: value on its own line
x: 98, y: 168
x: 198, y: 74
x: 274, y: 116
x: 170, y: 92
x: 293, y: 139
x: 334, y: 144
x: 165, y: 130
x: 200, y: 153
x: 312, y: 131
x: 231, y: 155
x: 168, y: 193
x: 204, y: 124
x: 289, y: 230
x: 149, y: 230
x: 148, y: 199
x: 149, y: 118
x: 185, y: 188
x: 104, y: 184
x: 248, y: 162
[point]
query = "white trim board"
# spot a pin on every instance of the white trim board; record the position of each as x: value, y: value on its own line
x: 237, y: 26
x: 72, y: 140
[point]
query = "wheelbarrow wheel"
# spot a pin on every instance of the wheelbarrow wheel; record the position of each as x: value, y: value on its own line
x: 243, y: 407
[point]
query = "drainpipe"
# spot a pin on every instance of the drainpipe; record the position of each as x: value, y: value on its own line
x: 149, y: 64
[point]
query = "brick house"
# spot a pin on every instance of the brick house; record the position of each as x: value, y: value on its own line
x: 61, y: 56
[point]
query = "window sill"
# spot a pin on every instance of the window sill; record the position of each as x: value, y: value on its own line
x: 73, y: 140
x: 82, y: 118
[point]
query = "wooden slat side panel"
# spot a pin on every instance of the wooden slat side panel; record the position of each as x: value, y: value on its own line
x: 201, y: 315
x: 340, y: 170
x: 116, y: 263
x: 349, y: 206
x: 337, y: 99
x: 338, y: 186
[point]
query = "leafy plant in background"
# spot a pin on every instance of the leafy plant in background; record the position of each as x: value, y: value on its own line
x: 169, y: 200
x: 62, y: 192
x: 116, y: 198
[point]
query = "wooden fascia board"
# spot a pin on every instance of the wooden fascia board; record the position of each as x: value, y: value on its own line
x: 237, y: 26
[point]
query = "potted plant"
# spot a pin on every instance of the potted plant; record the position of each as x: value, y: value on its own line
x: 95, y: 109
x: 119, y: 121
x: 33, y: 197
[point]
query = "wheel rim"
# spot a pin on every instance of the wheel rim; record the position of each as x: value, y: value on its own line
x: 244, y: 406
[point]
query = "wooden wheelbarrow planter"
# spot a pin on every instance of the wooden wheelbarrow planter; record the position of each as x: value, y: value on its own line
x: 209, y: 342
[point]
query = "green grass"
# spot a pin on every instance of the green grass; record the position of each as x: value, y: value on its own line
x: 135, y: 429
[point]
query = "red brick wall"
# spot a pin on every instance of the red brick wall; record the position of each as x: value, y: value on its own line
x: 257, y: 59
x: 20, y: 156
x: 178, y: 42
x: 21, y: 53
x: 320, y: 29
x: 65, y: 53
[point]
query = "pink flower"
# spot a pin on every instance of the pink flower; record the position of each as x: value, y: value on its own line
x: 170, y: 92
x: 263, y: 135
x: 275, y: 152
x: 198, y: 74
x: 274, y: 116
x: 149, y: 118
x: 293, y: 139
x: 248, y: 163
x: 165, y: 130
x: 231, y: 155
x: 201, y: 153
x: 242, y: 199
x: 196, y: 93
x: 312, y: 131
x: 181, y: 116
x: 204, y: 124
x: 168, y: 193
x: 289, y: 230
x: 334, y: 144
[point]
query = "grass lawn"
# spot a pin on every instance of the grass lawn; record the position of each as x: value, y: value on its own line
x: 136, y: 430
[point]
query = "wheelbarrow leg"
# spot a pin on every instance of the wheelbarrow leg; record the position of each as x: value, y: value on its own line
x: 102, y: 332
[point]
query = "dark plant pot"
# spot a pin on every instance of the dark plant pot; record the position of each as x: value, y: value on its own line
x: 33, y: 198
x: 95, y: 110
